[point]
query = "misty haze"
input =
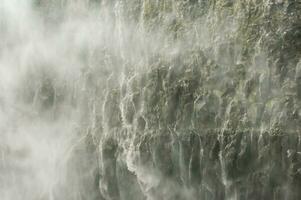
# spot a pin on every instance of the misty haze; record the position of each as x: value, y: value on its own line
x: 150, y: 99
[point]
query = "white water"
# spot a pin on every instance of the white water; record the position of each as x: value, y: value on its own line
x: 69, y: 75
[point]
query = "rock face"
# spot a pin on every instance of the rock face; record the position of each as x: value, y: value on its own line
x: 184, y: 100
x: 216, y: 112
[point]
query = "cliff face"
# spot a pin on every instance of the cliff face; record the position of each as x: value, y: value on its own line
x: 176, y: 100
x: 215, y: 111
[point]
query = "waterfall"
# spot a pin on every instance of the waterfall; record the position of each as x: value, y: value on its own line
x: 150, y: 100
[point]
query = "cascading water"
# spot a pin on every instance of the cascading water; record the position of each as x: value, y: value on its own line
x: 150, y: 100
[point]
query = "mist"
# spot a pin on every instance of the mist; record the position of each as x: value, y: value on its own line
x: 41, y: 125
x: 149, y: 100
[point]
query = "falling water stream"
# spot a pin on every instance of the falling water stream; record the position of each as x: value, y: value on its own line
x: 150, y: 100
